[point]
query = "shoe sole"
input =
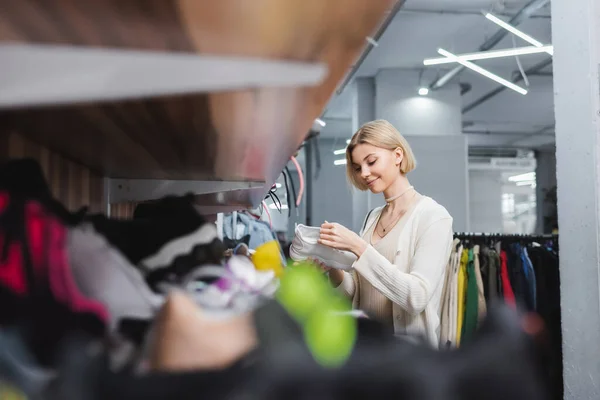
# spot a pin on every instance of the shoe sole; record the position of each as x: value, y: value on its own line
x: 332, y: 264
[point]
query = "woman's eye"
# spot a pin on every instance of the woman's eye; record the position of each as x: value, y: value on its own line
x: 372, y: 162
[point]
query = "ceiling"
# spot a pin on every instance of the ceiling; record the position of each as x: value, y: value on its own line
x: 422, y: 26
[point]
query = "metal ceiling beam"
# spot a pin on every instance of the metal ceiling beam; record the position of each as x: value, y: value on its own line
x: 548, y: 130
x: 382, y: 28
x: 524, y: 14
x: 506, y: 133
x: 536, y: 68
x: 462, y: 12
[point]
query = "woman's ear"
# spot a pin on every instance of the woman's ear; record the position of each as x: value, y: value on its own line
x: 399, y: 156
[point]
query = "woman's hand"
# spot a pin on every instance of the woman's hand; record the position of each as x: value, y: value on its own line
x: 336, y: 276
x: 319, y: 264
x: 339, y: 237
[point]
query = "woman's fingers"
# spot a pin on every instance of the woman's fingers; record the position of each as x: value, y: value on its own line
x: 327, y: 230
x: 326, y: 236
x: 328, y: 243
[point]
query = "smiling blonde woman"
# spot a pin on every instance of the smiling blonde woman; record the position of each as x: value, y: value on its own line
x: 403, y: 247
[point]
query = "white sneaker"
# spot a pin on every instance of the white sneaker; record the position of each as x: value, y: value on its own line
x: 305, y: 246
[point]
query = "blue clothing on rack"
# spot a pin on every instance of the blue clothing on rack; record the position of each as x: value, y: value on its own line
x: 236, y: 225
x: 532, y: 283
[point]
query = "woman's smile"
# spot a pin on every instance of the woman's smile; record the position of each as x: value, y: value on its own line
x: 372, y: 182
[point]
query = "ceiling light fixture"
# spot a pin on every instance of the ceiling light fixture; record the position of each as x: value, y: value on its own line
x: 486, y: 55
x: 525, y: 183
x: 348, y: 141
x: 339, y: 162
x: 340, y: 151
x: 423, y: 91
x: 484, y: 72
x: 320, y: 122
x: 528, y: 176
x: 517, y: 32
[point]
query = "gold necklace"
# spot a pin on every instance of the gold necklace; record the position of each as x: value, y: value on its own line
x: 395, y: 220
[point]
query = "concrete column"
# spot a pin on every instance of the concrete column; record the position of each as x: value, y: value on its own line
x: 576, y: 40
x: 433, y: 126
x: 363, y: 111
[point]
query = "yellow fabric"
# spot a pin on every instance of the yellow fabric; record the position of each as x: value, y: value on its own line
x: 462, y: 291
x: 267, y: 257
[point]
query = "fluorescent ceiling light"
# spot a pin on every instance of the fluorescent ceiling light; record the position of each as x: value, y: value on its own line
x: 529, y: 176
x: 348, y: 141
x: 423, y: 91
x: 320, y: 122
x: 516, y: 32
x: 525, y: 183
x: 340, y: 151
x: 484, y: 72
x: 339, y: 162
x: 486, y: 55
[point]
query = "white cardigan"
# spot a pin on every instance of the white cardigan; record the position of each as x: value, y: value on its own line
x: 415, y: 280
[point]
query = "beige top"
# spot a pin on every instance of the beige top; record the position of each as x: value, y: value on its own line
x: 371, y: 300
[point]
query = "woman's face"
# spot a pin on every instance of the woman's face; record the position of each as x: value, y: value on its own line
x: 378, y: 168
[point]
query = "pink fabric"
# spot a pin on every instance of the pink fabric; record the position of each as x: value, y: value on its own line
x: 47, y: 243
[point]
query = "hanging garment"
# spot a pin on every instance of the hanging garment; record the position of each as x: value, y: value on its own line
x: 447, y: 318
x: 237, y: 225
x: 24, y: 177
x: 166, y: 241
x: 104, y: 274
x: 471, y: 301
x: 531, y: 281
x: 509, y: 296
x: 499, y: 288
x: 37, y: 289
x: 168, y: 229
x: 545, y: 264
x: 489, y: 273
x: 454, y: 297
x: 461, y: 295
x: 481, y: 306
x: 516, y: 274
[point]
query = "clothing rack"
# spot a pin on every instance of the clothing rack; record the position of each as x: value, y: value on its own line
x: 501, y: 236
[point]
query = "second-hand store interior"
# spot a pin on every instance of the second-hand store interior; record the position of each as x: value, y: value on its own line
x: 161, y: 159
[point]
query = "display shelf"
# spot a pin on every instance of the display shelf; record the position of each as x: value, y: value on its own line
x: 34, y: 75
x: 234, y: 134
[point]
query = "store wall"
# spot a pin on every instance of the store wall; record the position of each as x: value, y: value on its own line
x: 331, y: 194
x: 485, y: 201
x: 441, y: 173
x: 397, y: 100
x: 432, y: 125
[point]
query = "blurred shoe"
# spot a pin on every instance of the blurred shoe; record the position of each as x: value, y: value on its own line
x: 305, y: 245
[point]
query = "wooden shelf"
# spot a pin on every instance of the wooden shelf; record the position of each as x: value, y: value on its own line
x: 236, y: 135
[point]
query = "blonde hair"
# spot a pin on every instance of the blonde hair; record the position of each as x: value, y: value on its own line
x: 379, y: 133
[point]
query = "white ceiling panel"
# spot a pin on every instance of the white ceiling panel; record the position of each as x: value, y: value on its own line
x: 459, y: 26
